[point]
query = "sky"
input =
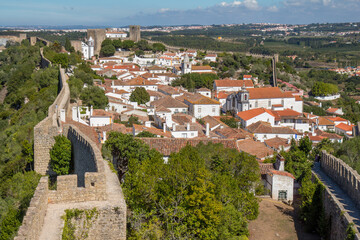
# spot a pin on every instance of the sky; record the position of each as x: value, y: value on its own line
x: 115, y: 13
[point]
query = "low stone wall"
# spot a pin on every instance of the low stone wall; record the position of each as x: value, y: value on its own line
x: 107, y: 223
x: 346, y: 177
x: 33, y: 221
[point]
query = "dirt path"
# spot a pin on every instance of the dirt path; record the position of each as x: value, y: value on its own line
x: 278, y: 221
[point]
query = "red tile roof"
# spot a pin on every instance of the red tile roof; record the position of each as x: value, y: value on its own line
x: 265, y: 127
x: 166, y: 146
x: 258, y: 149
x: 221, y: 95
x: 249, y: 114
x: 233, y: 83
x: 281, y: 173
x: 345, y: 127
x: 270, y: 92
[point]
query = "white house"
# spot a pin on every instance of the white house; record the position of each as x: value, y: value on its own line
x: 204, y: 91
x: 255, y: 115
x: 211, y: 57
x: 263, y: 131
x: 201, y: 106
x: 100, y: 117
x: 345, y: 129
x: 170, y: 103
x: 187, y: 131
x: 279, y: 182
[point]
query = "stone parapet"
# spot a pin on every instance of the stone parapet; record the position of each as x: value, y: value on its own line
x: 34, y: 219
x: 346, y: 177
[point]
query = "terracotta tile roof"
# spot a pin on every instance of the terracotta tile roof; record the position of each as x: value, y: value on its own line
x: 211, y: 55
x: 233, y: 83
x: 328, y: 135
x: 337, y: 119
x: 199, y: 68
x: 200, y: 99
x: 162, y: 109
x: 203, y: 90
x: 281, y: 173
x: 182, y: 118
x: 249, y: 114
x: 288, y: 113
x: 265, y: 93
x: 168, y: 102
x: 247, y: 76
x: 101, y: 112
x: 168, y: 89
x: 277, y: 105
x: 148, y: 75
x: 345, y: 127
x: 258, y: 149
x: 155, y: 68
x: 298, y: 98
x: 233, y: 133
x: 166, y: 146
x: 221, y: 95
x: 265, y: 167
x: 116, y: 127
x: 213, y: 121
x: 332, y: 110
x: 325, y: 122
x: 155, y: 93
x: 265, y: 127
x: 167, y: 75
x: 277, y: 143
x: 156, y: 131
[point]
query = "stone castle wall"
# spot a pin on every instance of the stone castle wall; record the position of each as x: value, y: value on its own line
x: 35, y: 214
x: 346, y: 177
x: 47, y: 129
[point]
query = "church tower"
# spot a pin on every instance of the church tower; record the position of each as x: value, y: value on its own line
x: 243, y: 99
x: 186, y: 65
x: 91, y: 45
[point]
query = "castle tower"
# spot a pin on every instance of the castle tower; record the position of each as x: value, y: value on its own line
x: 186, y: 65
x: 134, y: 33
x: 98, y: 35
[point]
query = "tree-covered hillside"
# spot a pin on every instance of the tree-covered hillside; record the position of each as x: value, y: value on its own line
x: 30, y: 92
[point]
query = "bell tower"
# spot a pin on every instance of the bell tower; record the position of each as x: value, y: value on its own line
x: 243, y: 99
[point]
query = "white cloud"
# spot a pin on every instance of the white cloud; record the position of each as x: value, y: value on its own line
x: 162, y: 10
x: 251, y: 4
x: 273, y: 9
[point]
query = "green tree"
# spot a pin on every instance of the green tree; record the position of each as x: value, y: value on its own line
x: 139, y: 53
x: 140, y: 95
x: 146, y: 134
x: 68, y: 46
x: 106, y: 42
x: 128, y: 44
x: 62, y: 59
x: 94, y: 96
x: 117, y: 43
x: 60, y: 155
x: 158, y: 47
x: 107, y: 50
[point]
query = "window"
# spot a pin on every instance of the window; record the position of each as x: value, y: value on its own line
x: 282, y: 195
x: 176, y: 110
x: 213, y: 109
x: 184, y: 135
x: 199, y: 109
x: 269, y: 103
x: 265, y: 136
x: 245, y: 97
x: 256, y: 104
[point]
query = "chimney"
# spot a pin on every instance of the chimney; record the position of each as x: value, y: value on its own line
x: 164, y: 128
x: 280, y: 163
x: 207, y: 129
x: 112, y: 83
x: 174, y: 127
x: 193, y: 120
x: 91, y: 110
x: 188, y: 127
x: 104, y: 136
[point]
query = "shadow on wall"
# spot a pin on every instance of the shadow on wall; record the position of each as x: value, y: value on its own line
x: 83, y: 156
